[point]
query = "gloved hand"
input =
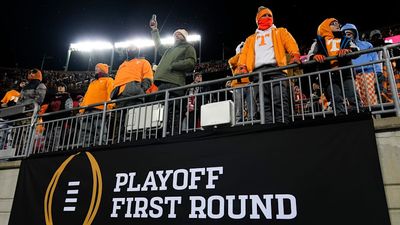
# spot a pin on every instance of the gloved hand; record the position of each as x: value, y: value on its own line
x: 295, y: 59
x: 343, y: 52
x: 319, y: 58
x: 146, y: 83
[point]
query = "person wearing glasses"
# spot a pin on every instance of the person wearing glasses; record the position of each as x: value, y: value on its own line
x: 331, y: 41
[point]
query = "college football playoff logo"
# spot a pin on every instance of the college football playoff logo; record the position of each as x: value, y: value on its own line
x: 72, y: 192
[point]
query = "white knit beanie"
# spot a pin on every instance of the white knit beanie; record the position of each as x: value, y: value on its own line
x: 183, y: 32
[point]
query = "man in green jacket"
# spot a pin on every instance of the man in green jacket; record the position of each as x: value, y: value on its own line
x: 175, y: 62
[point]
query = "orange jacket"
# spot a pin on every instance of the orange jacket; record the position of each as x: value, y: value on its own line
x: 283, y: 42
x: 133, y: 70
x: 10, y: 95
x: 98, y: 91
x: 233, y: 63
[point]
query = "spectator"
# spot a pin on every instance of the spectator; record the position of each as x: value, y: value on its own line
x: 387, y: 92
x: 134, y: 77
x: 194, y: 103
x: 376, y: 39
x: 60, y: 101
x: 241, y: 91
x: 77, y: 101
x: 267, y: 49
x: 365, y: 75
x: 331, y: 42
x: 99, y: 91
x: 176, y: 61
x: 35, y: 90
x: 12, y: 96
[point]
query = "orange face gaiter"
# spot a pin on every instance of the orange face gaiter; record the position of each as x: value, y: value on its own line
x: 264, y: 23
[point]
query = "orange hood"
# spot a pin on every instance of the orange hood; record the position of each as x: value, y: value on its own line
x: 324, y: 30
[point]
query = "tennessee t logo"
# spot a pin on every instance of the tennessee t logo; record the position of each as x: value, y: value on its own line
x: 333, y: 45
x: 262, y: 37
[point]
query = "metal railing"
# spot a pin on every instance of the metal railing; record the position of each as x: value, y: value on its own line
x: 17, y: 126
x: 317, y: 94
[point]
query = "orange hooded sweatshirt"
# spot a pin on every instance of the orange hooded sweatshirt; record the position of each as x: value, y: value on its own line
x: 324, y: 30
x: 283, y: 42
x: 98, y: 91
x: 133, y: 70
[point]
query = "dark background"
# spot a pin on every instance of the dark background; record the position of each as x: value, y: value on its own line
x: 34, y: 29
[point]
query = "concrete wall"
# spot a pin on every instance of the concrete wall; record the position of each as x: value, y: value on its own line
x: 388, y: 141
x: 8, y: 177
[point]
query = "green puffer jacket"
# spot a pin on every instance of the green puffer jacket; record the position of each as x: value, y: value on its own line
x: 176, y: 61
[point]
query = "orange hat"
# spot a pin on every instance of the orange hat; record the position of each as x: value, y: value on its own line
x: 103, y: 67
x: 262, y: 10
x: 35, y: 74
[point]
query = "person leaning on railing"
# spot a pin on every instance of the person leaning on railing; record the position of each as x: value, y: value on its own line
x: 365, y: 75
x: 267, y: 49
x: 332, y: 42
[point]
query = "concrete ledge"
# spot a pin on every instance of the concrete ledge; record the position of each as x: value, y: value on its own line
x: 4, y: 217
x: 394, y: 216
x: 5, y: 205
x: 8, y: 180
x: 389, y: 156
x: 387, y: 123
x: 4, y: 165
x: 393, y: 196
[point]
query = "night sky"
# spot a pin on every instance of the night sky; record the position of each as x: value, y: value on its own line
x: 32, y: 29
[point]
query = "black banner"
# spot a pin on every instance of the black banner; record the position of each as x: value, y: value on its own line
x: 322, y: 174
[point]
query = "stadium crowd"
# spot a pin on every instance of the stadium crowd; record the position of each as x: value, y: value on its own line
x: 76, y: 83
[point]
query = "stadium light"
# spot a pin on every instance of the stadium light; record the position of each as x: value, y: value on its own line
x: 194, y: 38
x: 90, y: 46
x: 87, y: 46
x: 139, y: 42
x: 144, y: 43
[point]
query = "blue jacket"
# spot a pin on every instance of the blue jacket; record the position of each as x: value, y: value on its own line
x: 364, y: 58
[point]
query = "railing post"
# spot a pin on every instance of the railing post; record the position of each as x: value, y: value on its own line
x: 261, y: 97
x: 32, y: 129
x: 103, y: 121
x: 392, y: 81
x: 165, y: 122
